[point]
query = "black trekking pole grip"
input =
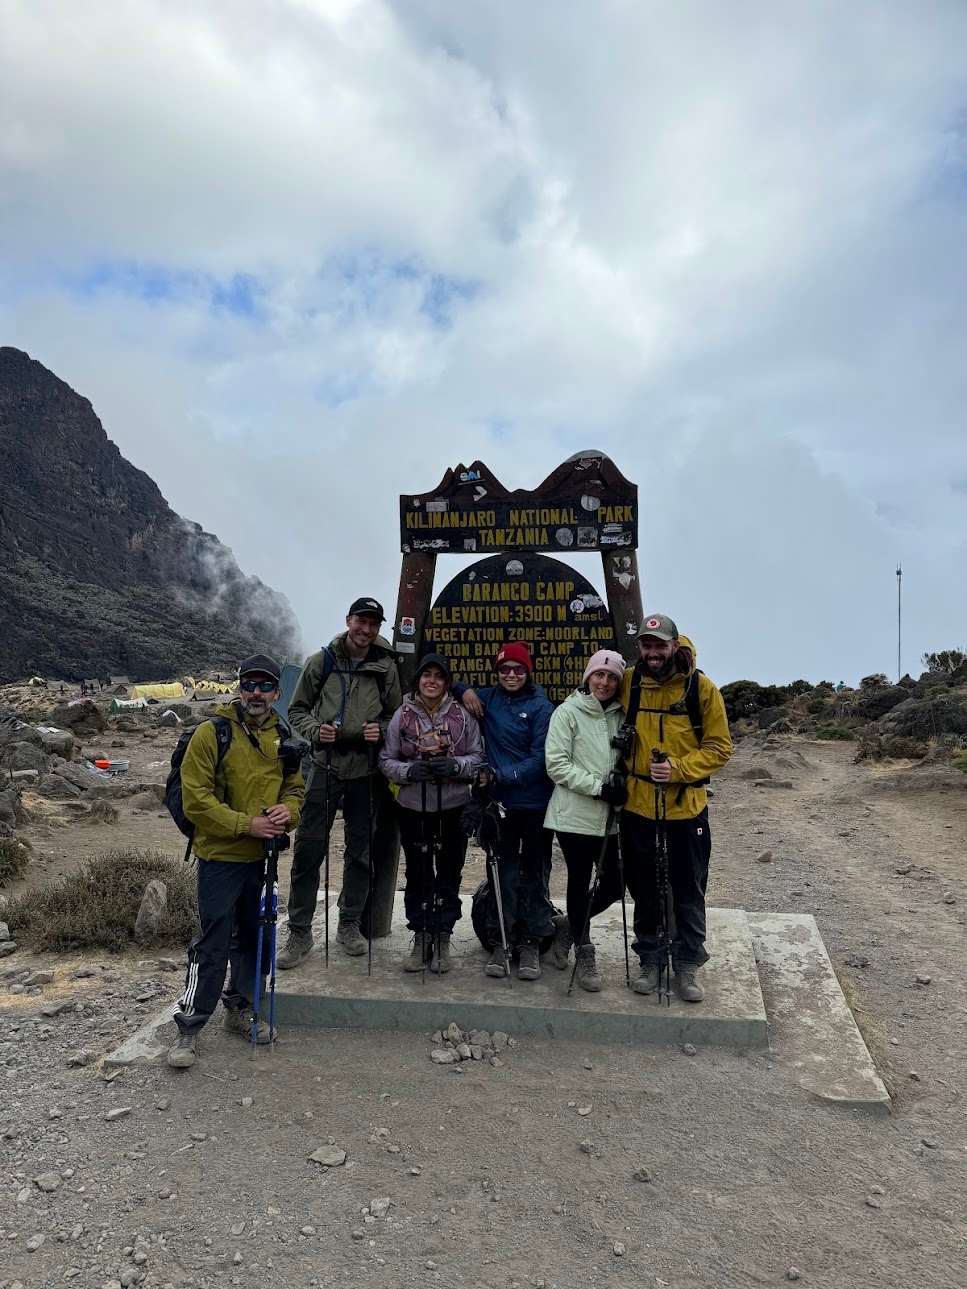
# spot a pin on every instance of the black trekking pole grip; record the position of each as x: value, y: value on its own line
x: 658, y: 756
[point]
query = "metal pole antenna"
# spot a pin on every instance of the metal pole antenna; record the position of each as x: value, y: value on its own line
x: 899, y: 579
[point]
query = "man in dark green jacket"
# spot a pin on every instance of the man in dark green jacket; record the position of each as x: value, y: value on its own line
x: 342, y: 704
x: 236, y: 802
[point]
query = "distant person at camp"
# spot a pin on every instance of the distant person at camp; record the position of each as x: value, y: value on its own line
x: 514, y: 715
x: 678, y: 713
x: 432, y: 748
x: 582, y: 811
x: 237, y: 796
x: 342, y: 705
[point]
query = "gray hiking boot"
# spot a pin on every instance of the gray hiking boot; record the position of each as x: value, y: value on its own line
x: 497, y: 966
x: 560, y: 950
x: 529, y: 962
x: 419, y: 953
x: 182, y: 1052
x: 441, y: 963
x: 646, y: 982
x: 588, y: 977
x: 238, y: 1020
x: 689, y: 990
x: 351, y: 938
x: 298, y: 946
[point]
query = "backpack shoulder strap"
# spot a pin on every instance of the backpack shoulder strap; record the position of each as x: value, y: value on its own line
x: 326, y: 673
x: 693, y: 706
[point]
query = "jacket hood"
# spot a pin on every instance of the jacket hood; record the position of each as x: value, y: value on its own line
x: 588, y: 703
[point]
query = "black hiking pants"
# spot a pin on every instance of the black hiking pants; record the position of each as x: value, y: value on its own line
x: 228, y: 913
x: 311, y: 839
x: 689, y: 851
x: 524, y: 869
x: 581, y: 852
x: 435, y: 850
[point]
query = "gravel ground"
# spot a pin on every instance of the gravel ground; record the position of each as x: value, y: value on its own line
x: 569, y: 1164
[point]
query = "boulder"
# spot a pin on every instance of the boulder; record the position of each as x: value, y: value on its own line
x: 154, y: 906
x: 13, y: 730
x: 24, y: 756
x: 875, y: 703
x: 925, y: 718
x: 59, y: 743
x: 56, y: 788
x: 11, y: 812
x: 85, y: 718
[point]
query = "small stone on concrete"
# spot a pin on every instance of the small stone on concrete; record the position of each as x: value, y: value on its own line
x: 793, y: 1273
x: 689, y: 1049
x: 245, y: 1102
x: 380, y: 1207
x: 923, y: 980
x: 642, y: 1174
x: 496, y: 1062
x: 330, y: 1156
x: 764, y: 858
x: 442, y: 1056
x: 586, y: 1146
x: 949, y: 897
x: 619, y: 1249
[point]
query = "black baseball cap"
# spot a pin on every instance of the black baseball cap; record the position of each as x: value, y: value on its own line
x: 367, y: 607
x: 260, y: 662
x: 435, y: 660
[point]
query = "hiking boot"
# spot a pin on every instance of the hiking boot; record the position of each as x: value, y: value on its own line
x: 297, y: 946
x: 238, y: 1020
x: 560, y: 950
x: 689, y: 990
x: 529, y: 962
x: 182, y: 1052
x: 351, y: 938
x: 497, y: 966
x: 441, y: 963
x: 419, y: 953
x: 646, y: 982
x: 588, y: 977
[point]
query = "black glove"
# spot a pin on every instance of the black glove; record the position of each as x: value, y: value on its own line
x: 443, y: 767
x: 484, y: 782
x: 470, y: 818
x: 614, y: 791
x: 420, y: 772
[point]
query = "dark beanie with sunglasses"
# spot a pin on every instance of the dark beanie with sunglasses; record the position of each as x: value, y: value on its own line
x: 514, y: 652
x: 259, y: 664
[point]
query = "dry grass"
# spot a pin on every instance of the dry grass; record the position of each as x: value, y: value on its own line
x: 96, y: 907
x: 14, y: 855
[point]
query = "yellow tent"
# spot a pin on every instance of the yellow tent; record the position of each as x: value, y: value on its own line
x: 174, y: 690
x: 209, y: 686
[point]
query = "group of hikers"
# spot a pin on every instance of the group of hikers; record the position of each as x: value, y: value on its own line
x: 617, y: 772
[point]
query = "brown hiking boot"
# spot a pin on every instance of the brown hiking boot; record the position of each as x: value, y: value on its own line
x: 646, y: 982
x: 298, y: 946
x: 529, y: 962
x: 351, y: 938
x: 441, y: 963
x: 588, y: 977
x: 689, y: 990
x: 182, y: 1052
x: 560, y: 950
x: 497, y: 966
x: 419, y: 955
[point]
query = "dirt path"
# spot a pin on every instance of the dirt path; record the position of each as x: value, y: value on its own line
x: 489, y: 1183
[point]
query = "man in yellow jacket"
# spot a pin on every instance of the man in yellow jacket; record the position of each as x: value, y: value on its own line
x: 677, y: 712
x: 237, y: 801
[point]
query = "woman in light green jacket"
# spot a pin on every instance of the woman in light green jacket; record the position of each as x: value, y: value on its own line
x: 580, y: 761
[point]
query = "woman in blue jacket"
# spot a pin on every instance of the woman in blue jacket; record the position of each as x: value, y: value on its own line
x: 515, y: 714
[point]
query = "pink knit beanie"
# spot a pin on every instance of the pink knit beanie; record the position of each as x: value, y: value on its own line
x: 605, y: 660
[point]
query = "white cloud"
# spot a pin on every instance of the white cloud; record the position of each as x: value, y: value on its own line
x: 724, y: 243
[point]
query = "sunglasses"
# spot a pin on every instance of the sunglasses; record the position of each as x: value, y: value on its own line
x: 507, y: 669
x: 263, y: 686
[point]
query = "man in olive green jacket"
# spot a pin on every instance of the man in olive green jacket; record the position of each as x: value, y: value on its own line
x: 342, y: 705
x: 236, y: 803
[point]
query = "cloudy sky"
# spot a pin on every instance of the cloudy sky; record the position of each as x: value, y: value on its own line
x: 302, y: 255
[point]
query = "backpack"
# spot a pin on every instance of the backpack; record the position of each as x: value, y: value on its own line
x: 173, y: 799
x: 330, y: 665
x: 434, y: 741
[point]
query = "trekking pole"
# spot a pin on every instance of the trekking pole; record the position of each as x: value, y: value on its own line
x: 624, y: 908
x: 273, y: 935
x: 268, y: 908
x: 661, y: 875
x: 493, y: 870
x: 423, y: 853
x: 325, y: 911
x: 598, y: 868
x: 437, y: 856
x: 369, y: 897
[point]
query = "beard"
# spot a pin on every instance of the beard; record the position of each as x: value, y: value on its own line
x: 660, y: 668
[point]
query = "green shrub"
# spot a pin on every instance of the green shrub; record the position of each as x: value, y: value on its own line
x: 831, y: 731
x: 815, y: 706
x: 883, y: 747
x: 959, y: 761
x: 952, y: 662
x: 96, y: 907
x: 13, y: 857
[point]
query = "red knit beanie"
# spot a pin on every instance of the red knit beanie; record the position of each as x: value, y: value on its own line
x: 515, y: 651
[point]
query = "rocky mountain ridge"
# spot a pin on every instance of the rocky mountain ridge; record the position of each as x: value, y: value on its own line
x: 98, y: 573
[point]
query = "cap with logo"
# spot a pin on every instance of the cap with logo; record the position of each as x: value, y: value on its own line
x: 434, y: 660
x: 367, y: 607
x: 259, y: 662
x: 515, y: 651
x: 660, y: 626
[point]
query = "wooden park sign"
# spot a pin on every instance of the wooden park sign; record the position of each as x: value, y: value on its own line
x: 520, y: 593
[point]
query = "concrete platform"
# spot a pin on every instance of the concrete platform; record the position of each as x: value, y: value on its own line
x: 342, y: 996
x: 813, y: 1027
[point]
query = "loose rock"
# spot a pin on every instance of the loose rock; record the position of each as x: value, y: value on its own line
x: 48, y: 1182
x: 330, y: 1156
x: 442, y: 1056
x: 689, y: 1049
x: 764, y: 858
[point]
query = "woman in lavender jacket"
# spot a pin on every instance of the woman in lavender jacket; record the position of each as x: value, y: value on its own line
x: 431, y: 749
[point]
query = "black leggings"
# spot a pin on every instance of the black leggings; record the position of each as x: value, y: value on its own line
x: 581, y: 853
